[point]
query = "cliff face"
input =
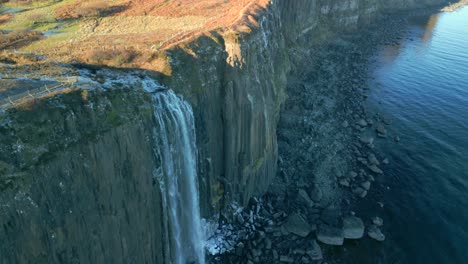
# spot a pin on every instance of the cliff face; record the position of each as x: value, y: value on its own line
x: 76, y: 182
x: 237, y: 83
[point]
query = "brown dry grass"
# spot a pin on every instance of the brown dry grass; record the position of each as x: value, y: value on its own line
x: 18, y: 39
x: 144, y: 26
x: 5, y: 18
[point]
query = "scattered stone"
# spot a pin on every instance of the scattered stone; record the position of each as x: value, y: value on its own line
x: 330, y: 235
x: 299, y: 251
x: 387, y: 121
x: 353, y: 227
x: 366, y: 185
x: 353, y: 174
x: 286, y: 259
x: 381, y: 130
x: 372, y: 159
x: 366, y: 140
x: 315, y: 253
x: 397, y: 139
x: 375, y: 169
x: 380, y: 204
x: 377, y: 221
x: 345, y: 124
x: 331, y: 216
x: 240, y: 219
x: 344, y: 182
x: 304, y: 198
x: 358, y: 191
x: 297, y: 225
x: 385, y: 161
x: 305, y: 260
x: 362, y: 123
x: 275, y: 254
x: 316, y: 194
x: 267, y: 243
x: 375, y: 233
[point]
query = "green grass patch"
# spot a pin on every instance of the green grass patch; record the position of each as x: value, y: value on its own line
x: 35, y: 16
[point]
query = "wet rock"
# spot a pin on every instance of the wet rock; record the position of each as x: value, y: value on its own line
x: 345, y: 124
x: 375, y: 169
x: 366, y: 185
x: 330, y: 235
x: 375, y: 233
x: 397, y: 139
x: 315, y: 252
x: 353, y: 174
x: 353, y: 227
x: 386, y: 161
x: 304, y: 198
x: 297, y: 225
x: 377, y: 221
x: 305, y: 260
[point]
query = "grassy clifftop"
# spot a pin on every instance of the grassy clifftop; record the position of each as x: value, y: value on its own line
x: 120, y: 33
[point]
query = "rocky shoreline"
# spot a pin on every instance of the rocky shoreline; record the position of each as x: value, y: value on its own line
x: 327, y: 164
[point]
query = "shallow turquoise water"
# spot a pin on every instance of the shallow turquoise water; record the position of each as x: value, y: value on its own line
x: 422, y: 85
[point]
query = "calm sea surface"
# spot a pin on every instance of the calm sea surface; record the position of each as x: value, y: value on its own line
x: 422, y: 85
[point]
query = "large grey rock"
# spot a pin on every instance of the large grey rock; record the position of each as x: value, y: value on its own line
x: 330, y: 235
x: 353, y: 227
x: 297, y: 225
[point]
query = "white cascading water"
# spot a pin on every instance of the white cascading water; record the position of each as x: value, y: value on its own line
x: 176, y: 148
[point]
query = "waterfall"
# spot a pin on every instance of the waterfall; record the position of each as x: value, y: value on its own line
x: 176, y: 149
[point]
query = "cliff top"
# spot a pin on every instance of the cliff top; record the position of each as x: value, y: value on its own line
x: 123, y: 33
